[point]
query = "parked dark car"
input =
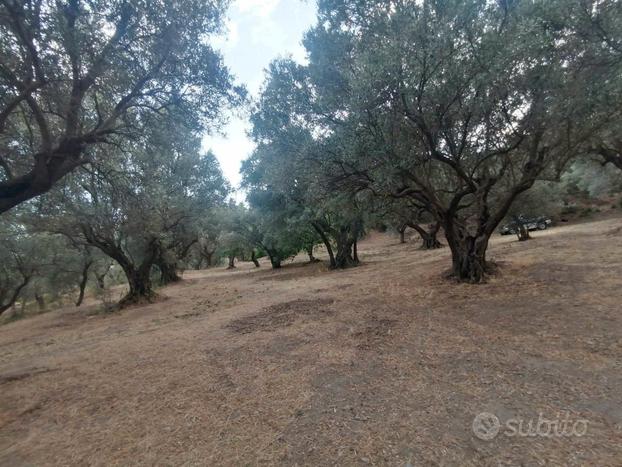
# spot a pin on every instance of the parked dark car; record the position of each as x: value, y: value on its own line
x: 530, y: 223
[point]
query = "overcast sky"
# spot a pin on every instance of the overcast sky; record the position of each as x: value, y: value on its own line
x: 258, y: 32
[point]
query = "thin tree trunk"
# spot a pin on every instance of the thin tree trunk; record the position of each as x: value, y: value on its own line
x: 183, y: 254
x: 206, y: 255
x: 326, y: 241
x: 254, y: 258
x: 231, y: 262
x: 101, y: 280
x: 83, y: 282
x: 13, y: 298
x: 522, y: 233
x: 40, y: 301
x: 402, y: 230
x: 312, y: 259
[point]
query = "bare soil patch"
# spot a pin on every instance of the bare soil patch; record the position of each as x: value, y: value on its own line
x: 280, y: 315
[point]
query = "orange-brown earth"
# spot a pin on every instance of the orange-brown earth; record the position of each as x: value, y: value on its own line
x: 383, y: 364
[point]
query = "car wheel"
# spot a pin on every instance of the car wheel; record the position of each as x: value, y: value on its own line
x: 542, y: 226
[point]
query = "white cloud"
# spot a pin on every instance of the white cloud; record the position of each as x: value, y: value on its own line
x: 231, y: 149
x: 229, y: 38
x: 256, y: 7
x: 299, y: 53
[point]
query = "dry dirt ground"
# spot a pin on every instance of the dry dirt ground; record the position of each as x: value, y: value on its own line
x: 384, y: 364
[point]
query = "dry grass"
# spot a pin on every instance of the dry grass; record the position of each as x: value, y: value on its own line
x: 385, y: 364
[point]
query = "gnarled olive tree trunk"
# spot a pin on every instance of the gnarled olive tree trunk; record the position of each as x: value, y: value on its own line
x: 344, y: 238
x: 204, y: 255
x: 429, y: 239
x: 346, y: 254
x: 168, y: 273
x: 138, y: 275
x: 169, y: 257
x: 139, y: 281
x: 275, y: 259
x: 168, y: 270
x: 468, y: 238
x: 468, y: 254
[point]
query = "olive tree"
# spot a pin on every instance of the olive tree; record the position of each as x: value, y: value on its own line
x: 139, y: 204
x: 76, y: 75
x: 460, y: 106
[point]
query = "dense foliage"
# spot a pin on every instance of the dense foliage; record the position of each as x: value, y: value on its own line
x: 456, y: 107
x: 76, y: 75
